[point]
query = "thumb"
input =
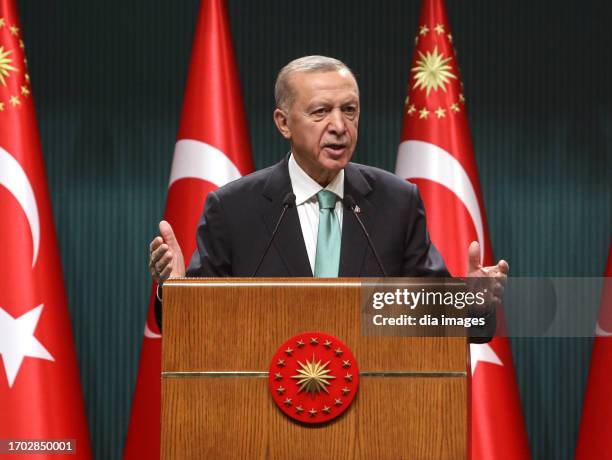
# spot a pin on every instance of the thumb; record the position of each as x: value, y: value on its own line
x: 167, y: 234
x: 474, y: 257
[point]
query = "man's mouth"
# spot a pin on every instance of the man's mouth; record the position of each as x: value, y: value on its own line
x: 335, y: 147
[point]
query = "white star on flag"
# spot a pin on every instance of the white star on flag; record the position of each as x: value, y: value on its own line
x: 482, y: 352
x: 17, y: 341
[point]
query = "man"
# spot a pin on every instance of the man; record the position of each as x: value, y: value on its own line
x: 317, y: 111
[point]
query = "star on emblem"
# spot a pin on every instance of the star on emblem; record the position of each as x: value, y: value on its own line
x: 278, y: 376
x: 327, y: 344
x: 461, y: 98
x: 455, y: 107
x: 313, y: 377
x: 346, y: 391
x: 439, y: 29
x: 423, y: 30
x: 280, y: 390
x: 25, y: 91
x: 411, y: 109
x: 1, y: 106
x: 2, y: 23
x: 287, y: 402
x: 314, y: 341
x: 17, y: 341
x: 432, y: 71
x: 346, y: 363
x: 440, y: 112
x: 450, y: 38
x: 348, y: 377
x: 312, y: 412
x: 15, y: 101
x: 14, y: 30
x: 337, y: 402
x: 281, y: 363
x: 326, y: 409
x: 289, y: 350
x: 299, y: 409
x: 423, y: 113
x: 300, y: 343
x: 338, y: 351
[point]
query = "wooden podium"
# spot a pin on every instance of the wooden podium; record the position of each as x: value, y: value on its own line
x: 219, y: 336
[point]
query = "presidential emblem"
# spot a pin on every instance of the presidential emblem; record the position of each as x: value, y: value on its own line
x: 313, y: 377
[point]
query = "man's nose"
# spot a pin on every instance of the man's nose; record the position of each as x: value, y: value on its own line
x: 337, y: 123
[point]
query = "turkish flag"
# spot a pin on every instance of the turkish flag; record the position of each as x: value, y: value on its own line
x: 595, y: 430
x: 40, y: 391
x: 436, y: 153
x: 212, y: 149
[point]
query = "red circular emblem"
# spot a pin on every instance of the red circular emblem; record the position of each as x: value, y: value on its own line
x: 313, y: 377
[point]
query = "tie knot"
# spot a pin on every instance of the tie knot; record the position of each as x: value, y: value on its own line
x: 326, y: 199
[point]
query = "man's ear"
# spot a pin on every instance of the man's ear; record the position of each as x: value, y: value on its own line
x: 280, y: 120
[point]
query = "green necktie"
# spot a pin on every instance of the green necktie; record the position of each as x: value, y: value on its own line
x: 327, y: 258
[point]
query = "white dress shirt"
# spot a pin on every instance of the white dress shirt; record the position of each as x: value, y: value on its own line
x: 305, y: 189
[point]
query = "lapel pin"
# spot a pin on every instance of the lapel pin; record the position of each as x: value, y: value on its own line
x: 357, y: 209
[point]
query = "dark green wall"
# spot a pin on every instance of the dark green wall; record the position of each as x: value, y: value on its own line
x: 108, y: 79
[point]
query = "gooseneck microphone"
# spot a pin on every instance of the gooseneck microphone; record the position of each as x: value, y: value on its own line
x: 288, y: 201
x: 349, y: 202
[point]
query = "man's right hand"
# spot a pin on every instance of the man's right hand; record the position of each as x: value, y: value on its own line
x: 165, y: 256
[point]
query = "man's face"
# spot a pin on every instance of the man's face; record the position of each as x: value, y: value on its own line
x: 322, y: 122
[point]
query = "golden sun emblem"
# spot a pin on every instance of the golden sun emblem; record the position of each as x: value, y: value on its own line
x: 313, y: 377
x: 432, y: 71
x: 5, y: 65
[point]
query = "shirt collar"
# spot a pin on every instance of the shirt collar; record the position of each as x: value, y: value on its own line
x: 305, y: 187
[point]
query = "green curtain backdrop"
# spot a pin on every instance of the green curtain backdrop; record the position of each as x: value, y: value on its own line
x: 108, y: 81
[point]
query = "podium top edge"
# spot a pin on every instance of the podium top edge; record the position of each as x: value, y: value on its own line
x: 309, y: 282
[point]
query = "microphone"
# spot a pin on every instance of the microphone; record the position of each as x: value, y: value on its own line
x: 288, y: 201
x: 349, y: 202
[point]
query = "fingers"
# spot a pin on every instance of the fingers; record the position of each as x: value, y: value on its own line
x: 155, y: 243
x: 161, y: 262
x: 503, y: 266
x: 474, y: 257
x: 160, y: 259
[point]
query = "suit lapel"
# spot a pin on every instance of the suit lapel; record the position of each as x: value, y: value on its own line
x: 289, y: 241
x: 354, y: 243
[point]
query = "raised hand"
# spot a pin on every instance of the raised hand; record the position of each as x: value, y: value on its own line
x: 492, y: 278
x: 165, y: 255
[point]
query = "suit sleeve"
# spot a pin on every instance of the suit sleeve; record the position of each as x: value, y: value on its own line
x: 421, y: 258
x: 213, y: 254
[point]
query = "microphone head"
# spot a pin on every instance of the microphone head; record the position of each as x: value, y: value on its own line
x: 349, y: 202
x: 289, y: 199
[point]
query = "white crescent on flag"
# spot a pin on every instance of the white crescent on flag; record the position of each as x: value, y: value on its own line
x: 14, y: 178
x: 601, y: 332
x: 422, y: 160
x: 199, y: 160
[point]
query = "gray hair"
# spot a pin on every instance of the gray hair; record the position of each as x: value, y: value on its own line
x: 284, y: 94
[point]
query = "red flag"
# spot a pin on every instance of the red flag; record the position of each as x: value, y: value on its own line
x: 595, y: 431
x: 436, y: 154
x: 212, y: 149
x: 40, y: 391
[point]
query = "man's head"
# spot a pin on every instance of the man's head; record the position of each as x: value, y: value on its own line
x: 317, y: 111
